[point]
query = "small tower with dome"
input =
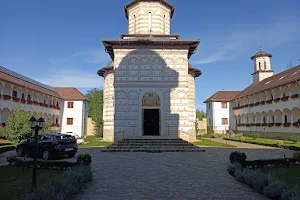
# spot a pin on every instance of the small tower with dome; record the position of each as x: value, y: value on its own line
x: 262, y: 66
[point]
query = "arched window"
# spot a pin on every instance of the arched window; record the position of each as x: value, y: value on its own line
x: 273, y: 118
x: 23, y: 96
x: 149, y: 21
x: 285, y: 119
x: 265, y: 65
x: 259, y: 65
x: 15, y: 94
x: 272, y: 97
x: 264, y: 120
x: 253, y: 119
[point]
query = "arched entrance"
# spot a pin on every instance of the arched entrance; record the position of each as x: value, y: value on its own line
x: 151, y: 114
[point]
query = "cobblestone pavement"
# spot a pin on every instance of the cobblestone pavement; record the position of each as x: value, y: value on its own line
x: 142, y: 176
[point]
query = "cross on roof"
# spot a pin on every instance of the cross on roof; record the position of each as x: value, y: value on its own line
x: 260, y: 47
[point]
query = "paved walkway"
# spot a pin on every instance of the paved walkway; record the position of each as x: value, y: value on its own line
x: 240, y: 144
x: 171, y: 176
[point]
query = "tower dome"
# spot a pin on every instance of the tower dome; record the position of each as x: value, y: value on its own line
x: 149, y: 17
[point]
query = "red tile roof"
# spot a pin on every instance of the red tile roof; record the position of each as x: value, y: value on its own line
x: 222, y: 96
x: 70, y: 94
x: 286, y: 77
x: 25, y: 84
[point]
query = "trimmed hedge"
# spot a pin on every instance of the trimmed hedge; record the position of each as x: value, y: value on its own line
x: 266, y: 184
x: 7, y: 148
x: 294, y: 148
x: 64, y: 186
x: 13, y: 160
x: 272, y: 162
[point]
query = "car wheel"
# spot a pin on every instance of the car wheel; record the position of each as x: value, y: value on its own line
x: 71, y: 155
x: 20, y: 152
x: 46, y: 155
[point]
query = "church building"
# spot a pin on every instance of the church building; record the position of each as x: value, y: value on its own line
x: 149, y: 86
x: 270, y: 106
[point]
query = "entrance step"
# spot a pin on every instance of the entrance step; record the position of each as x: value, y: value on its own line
x: 152, y: 144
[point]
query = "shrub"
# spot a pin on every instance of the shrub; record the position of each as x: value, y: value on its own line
x: 274, y: 189
x: 237, y: 157
x: 296, y: 156
x: 233, y: 167
x: 254, y: 135
x: 84, y: 159
x: 63, y: 187
x: 215, y: 135
x: 279, y: 143
x: 210, y: 129
x: 295, y: 139
x: 292, y: 194
x: 242, y: 139
x: 11, y: 159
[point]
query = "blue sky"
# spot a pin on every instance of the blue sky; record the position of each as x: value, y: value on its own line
x: 59, y: 42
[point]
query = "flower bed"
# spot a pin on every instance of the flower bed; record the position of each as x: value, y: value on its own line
x: 16, y: 99
x: 287, y: 124
x: 262, y: 103
x: 270, y: 124
x: 6, y: 97
x: 278, y: 124
x: 285, y: 98
x: 23, y: 101
x: 295, y: 96
x: 277, y: 100
x: 269, y: 101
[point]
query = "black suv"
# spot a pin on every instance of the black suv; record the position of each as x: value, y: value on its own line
x: 49, y: 145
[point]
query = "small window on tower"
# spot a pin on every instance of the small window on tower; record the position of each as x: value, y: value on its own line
x: 259, y: 66
x: 224, y: 105
x: 265, y: 64
x: 70, y: 104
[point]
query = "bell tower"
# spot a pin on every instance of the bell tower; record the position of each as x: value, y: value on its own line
x: 262, y: 65
x: 151, y: 17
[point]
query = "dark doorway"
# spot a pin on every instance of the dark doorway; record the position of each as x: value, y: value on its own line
x: 151, y: 121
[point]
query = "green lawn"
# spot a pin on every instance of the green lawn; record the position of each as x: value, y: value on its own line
x: 92, y: 141
x: 289, y: 175
x: 205, y: 142
x: 269, y: 141
x: 15, y: 183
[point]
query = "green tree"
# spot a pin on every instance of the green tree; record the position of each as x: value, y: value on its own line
x: 18, y: 126
x: 96, y: 109
x: 200, y: 114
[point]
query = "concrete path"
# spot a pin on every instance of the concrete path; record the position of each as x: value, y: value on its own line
x: 171, y: 176
x: 240, y: 144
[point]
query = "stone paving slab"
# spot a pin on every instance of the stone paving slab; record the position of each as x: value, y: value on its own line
x: 169, y: 175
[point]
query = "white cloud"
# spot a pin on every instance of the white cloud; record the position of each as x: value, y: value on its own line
x: 98, y: 56
x: 73, y: 78
x: 239, y: 42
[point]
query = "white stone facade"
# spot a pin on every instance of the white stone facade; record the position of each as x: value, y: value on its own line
x: 149, y: 18
x: 216, y: 115
x: 79, y: 114
x: 139, y: 71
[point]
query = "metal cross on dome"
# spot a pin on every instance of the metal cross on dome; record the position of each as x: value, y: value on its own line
x: 260, y: 47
